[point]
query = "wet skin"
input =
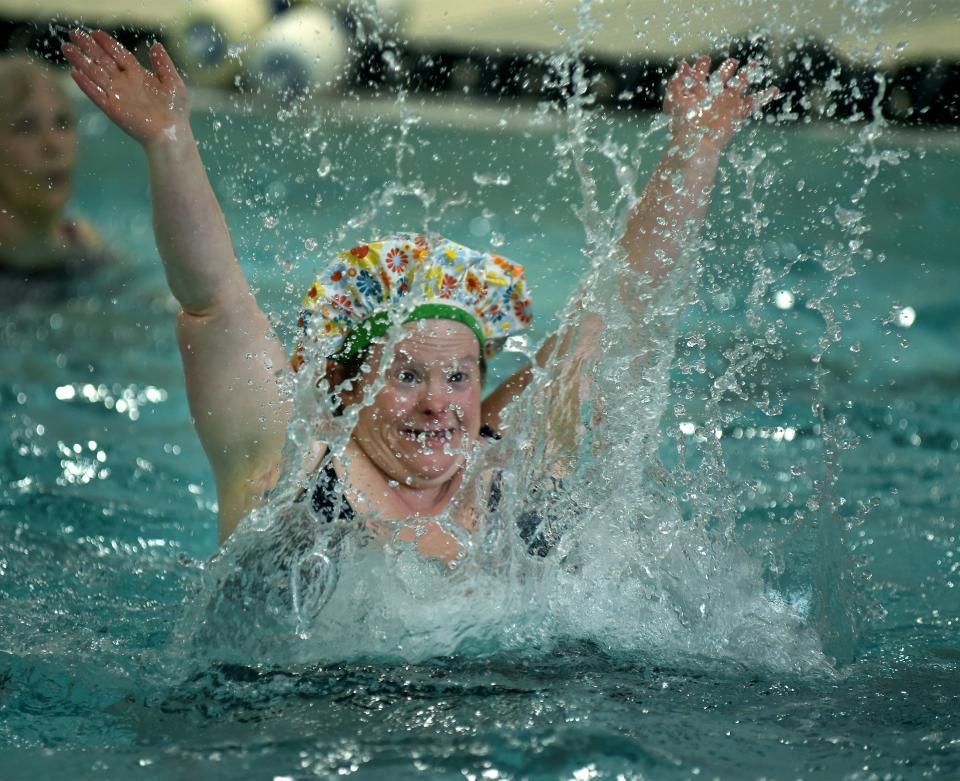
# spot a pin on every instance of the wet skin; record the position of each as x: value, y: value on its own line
x: 428, y: 412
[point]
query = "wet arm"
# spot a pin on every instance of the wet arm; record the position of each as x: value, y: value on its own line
x: 664, y: 222
x: 231, y: 357
x: 569, y: 353
x: 705, y: 112
x: 668, y: 216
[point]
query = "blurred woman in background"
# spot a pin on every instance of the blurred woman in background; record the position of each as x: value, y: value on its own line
x: 38, y: 151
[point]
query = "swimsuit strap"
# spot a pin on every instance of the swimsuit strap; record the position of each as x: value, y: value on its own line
x: 488, y: 433
x: 328, y: 500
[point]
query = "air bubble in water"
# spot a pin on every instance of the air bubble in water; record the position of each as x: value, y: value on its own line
x: 723, y: 301
x: 517, y: 344
x: 391, y: 61
x: 323, y: 170
x: 784, y: 299
x: 905, y: 316
x: 480, y: 226
x: 495, y: 179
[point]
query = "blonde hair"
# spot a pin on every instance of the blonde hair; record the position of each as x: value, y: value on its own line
x: 20, y: 75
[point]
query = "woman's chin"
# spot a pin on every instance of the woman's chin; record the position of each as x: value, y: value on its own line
x: 56, y: 200
x: 432, y: 467
x: 43, y: 203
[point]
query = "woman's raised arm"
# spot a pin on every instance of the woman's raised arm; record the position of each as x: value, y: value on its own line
x: 704, y: 113
x: 664, y: 222
x: 231, y: 356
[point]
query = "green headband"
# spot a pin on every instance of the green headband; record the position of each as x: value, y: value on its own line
x: 363, y: 334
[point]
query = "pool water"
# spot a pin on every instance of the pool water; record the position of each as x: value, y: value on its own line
x: 811, y: 437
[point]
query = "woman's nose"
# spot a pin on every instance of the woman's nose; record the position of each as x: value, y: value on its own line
x: 434, y: 395
x: 55, y: 143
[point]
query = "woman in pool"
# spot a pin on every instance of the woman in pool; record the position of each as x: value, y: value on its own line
x: 405, y: 457
x: 38, y: 146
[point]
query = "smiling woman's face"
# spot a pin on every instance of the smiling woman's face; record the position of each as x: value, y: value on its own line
x: 38, y: 145
x: 427, y: 414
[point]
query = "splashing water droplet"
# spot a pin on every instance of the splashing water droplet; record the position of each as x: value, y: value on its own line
x: 495, y: 179
x: 784, y: 299
x: 516, y: 344
x: 480, y: 226
x: 723, y: 301
x: 906, y: 316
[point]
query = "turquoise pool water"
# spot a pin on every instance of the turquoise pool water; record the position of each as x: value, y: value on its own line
x: 811, y: 438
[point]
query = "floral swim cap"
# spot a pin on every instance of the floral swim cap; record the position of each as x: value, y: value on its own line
x: 418, y: 276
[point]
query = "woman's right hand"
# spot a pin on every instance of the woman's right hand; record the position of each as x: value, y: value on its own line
x: 151, y: 107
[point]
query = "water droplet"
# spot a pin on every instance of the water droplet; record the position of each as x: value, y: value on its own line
x: 784, y: 299
x: 495, y: 179
x: 480, y: 226
x: 517, y: 344
x: 906, y: 316
x: 391, y: 61
x: 723, y: 301
x: 323, y: 170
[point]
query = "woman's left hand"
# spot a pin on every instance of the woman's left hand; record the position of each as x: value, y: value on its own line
x: 705, y: 111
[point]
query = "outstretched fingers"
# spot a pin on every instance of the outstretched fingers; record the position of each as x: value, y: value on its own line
x: 119, y: 55
x: 727, y: 70
x: 760, y: 99
x: 684, y: 70
x: 163, y: 66
x: 764, y: 97
x: 701, y: 68
x: 93, y: 51
x: 99, y: 96
x: 89, y: 68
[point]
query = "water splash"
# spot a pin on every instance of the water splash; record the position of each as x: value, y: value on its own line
x: 640, y: 518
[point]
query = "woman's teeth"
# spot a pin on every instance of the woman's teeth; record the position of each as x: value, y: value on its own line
x: 443, y: 435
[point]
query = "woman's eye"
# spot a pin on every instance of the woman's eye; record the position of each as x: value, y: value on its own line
x: 23, y: 126
x: 456, y: 377
x: 406, y: 377
x: 64, y: 122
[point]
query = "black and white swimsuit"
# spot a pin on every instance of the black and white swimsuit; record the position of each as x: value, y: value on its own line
x: 329, y: 502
